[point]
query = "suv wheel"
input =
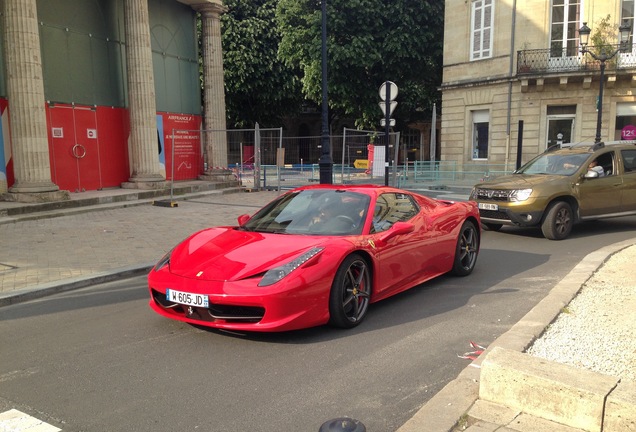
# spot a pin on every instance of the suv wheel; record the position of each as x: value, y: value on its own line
x: 558, y: 221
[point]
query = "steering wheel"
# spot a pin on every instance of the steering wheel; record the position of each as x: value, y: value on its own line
x: 345, y: 218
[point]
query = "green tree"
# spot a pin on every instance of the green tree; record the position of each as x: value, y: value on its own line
x: 259, y: 87
x: 369, y: 42
x: 604, y: 37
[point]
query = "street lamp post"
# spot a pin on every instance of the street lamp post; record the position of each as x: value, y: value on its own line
x: 325, y: 163
x: 584, y: 36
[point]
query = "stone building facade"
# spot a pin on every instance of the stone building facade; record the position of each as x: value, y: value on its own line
x: 86, y: 82
x: 515, y: 81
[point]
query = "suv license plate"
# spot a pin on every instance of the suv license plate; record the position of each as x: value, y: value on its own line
x: 487, y: 206
x: 187, y: 298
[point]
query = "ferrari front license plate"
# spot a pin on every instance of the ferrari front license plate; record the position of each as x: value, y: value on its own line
x: 487, y: 206
x: 187, y: 298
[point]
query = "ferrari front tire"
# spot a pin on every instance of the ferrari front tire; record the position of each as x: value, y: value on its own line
x: 466, y: 250
x: 350, y: 293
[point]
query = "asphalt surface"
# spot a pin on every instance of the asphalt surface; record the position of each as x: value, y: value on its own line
x: 59, y: 258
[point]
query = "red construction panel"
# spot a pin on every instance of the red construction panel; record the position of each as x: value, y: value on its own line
x: 113, y: 131
x: 61, y: 131
x: 6, y: 161
x: 87, y: 148
x: 188, y: 162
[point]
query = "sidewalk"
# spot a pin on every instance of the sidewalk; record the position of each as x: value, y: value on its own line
x: 103, y: 235
x: 106, y: 235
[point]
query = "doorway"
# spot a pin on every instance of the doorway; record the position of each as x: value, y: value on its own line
x: 560, y: 120
x: 74, y: 147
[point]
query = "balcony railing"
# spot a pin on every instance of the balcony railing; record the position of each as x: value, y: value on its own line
x: 548, y: 61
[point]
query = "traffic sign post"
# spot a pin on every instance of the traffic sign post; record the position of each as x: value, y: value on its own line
x: 388, y: 93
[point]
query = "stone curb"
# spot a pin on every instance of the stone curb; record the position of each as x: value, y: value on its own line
x: 50, y: 288
x: 561, y: 393
x: 107, y: 202
x: 444, y: 410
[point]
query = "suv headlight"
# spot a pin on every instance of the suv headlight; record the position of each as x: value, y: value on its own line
x: 520, y: 195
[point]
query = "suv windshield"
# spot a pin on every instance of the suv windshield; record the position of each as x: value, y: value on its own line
x: 554, y: 163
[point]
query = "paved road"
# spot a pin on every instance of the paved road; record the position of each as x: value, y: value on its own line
x: 98, y: 359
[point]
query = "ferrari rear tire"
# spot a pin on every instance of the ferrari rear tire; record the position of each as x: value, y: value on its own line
x: 466, y: 250
x: 350, y: 293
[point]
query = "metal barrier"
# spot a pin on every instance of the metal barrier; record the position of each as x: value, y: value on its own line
x: 414, y: 175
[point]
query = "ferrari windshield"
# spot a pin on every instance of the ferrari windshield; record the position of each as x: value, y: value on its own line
x: 313, y: 212
x: 554, y: 163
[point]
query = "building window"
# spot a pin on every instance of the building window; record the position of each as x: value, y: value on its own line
x: 481, y: 29
x: 564, y: 28
x: 625, y: 121
x: 560, y: 124
x: 481, y: 126
x: 627, y: 13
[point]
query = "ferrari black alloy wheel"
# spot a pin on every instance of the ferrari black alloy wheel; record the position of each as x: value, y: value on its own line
x: 350, y: 293
x: 467, y: 249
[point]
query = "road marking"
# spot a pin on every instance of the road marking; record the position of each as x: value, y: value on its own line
x: 17, y: 421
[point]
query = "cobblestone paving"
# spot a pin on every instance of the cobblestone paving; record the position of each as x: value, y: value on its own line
x: 35, y: 252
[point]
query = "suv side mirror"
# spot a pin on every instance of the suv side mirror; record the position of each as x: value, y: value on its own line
x: 591, y: 174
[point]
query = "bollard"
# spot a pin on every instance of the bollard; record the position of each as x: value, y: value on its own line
x: 343, y: 424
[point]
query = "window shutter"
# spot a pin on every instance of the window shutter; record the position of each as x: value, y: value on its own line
x: 481, y: 32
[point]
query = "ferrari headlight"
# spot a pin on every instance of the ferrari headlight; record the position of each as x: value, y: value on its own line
x: 163, y: 261
x: 520, y: 195
x: 276, y: 274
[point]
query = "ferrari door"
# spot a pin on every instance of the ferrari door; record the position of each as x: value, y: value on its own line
x: 402, y: 258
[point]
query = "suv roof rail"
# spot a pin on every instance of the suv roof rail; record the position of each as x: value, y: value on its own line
x: 592, y: 146
x: 620, y: 142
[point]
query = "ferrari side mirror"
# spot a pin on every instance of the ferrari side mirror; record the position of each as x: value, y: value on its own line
x: 242, y: 219
x: 398, y: 228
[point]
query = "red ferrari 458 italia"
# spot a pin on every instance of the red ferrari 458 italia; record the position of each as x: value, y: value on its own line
x: 315, y: 255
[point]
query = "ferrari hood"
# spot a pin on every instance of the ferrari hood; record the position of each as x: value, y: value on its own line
x: 225, y: 253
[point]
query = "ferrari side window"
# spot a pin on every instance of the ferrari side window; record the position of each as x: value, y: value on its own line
x: 391, y: 208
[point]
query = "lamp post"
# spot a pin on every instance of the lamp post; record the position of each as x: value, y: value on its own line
x: 584, y: 37
x: 325, y: 163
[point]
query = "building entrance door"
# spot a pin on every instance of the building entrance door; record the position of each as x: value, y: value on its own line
x: 74, y: 147
x: 559, y: 130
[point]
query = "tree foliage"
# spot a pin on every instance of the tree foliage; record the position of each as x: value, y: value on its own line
x: 259, y: 87
x: 273, y: 57
x: 368, y: 42
x: 604, y: 36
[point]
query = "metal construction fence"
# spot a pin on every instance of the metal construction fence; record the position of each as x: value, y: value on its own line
x: 412, y: 175
x: 263, y: 158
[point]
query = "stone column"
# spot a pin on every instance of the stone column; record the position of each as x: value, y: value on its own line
x: 146, y: 173
x: 25, y: 91
x: 213, y: 84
